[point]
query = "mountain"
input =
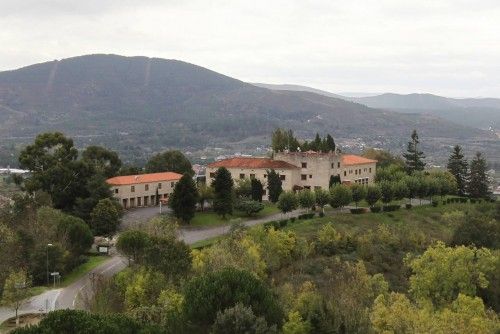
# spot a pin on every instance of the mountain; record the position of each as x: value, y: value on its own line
x: 298, y: 88
x: 139, y: 105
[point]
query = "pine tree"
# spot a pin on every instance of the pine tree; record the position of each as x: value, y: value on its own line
x: 184, y: 198
x: 330, y: 144
x: 414, y: 157
x: 257, y: 190
x: 478, y: 185
x: 316, y: 144
x: 457, y: 165
x: 223, y: 192
x: 274, y: 185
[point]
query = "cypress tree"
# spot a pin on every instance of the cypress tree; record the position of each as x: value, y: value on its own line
x: 184, y: 198
x: 223, y: 191
x: 414, y: 157
x: 316, y: 144
x: 334, y: 179
x: 330, y: 144
x: 478, y: 179
x: 257, y: 190
x: 274, y: 185
x: 457, y: 165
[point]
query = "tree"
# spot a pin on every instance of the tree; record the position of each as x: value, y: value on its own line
x: 373, y: 194
x: 457, y: 166
x: 169, y: 256
x: 240, y: 319
x: 340, y: 196
x: 477, y: 230
x: 423, y: 188
x: 387, y: 191
x: 384, y: 158
x: 400, y: 190
x: 287, y: 201
x: 133, y: 244
x: 205, y: 193
x: 413, y: 156
x: 330, y: 144
x: 413, y: 186
x: 76, y: 233
x: 283, y: 139
x: 296, y: 325
x: 243, y: 188
x: 334, y: 180
x: 441, y: 272
x: 257, y: 190
x: 102, y: 160
x: 358, y: 193
x: 249, y: 207
x: 105, y: 217
x: 432, y: 187
x: 16, y: 290
x: 169, y: 161
x: 223, y: 192
x: 322, y: 198
x: 210, y: 293
x: 478, y: 185
x: 273, y: 185
x: 306, y: 199
x: 184, y: 198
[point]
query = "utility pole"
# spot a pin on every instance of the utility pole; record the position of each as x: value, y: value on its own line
x: 47, y: 263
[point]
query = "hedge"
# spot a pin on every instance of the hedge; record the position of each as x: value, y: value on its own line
x: 408, y: 206
x: 358, y: 211
x: 375, y: 209
x: 306, y: 216
x: 392, y: 207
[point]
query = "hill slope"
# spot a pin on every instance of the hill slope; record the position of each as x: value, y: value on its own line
x: 140, y: 104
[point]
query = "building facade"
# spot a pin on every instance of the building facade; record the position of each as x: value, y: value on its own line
x: 300, y: 170
x: 144, y: 189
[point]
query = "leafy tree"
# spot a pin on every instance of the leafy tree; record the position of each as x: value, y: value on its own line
x: 283, y: 139
x: 76, y: 233
x: 296, y: 325
x: 205, y: 194
x: 457, y: 166
x: 287, y: 201
x: 387, y: 190
x: 441, y: 273
x: 130, y: 170
x: 250, y: 208
x: 133, y: 244
x: 184, y: 198
x: 210, y: 293
x: 96, y: 189
x: 413, y: 156
x: 413, y: 186
x: 277, y: 247
x: 223, y: 192
x: 273, y: 185
x: 384, y: 158
x: 322, y: 198
x: 306, y: 199
x: 16, y: 290
x: 400, y: 190
x: 334, y: 180
x: 340, y: 196
x: 257, y: 190
x: 358, y: 193
x: 478, y: 185
x: 102, y: 160
x: 105, y: 217
x: 169, y: 161
x: 423, y: 188
x: 240, y: 319
x: 391, y: 173
x: 37, y: 262
x: 373, y: 194
x: 169, y: 256
x: 433, y: 188
x: 243, y: 188
x: 477, y: 230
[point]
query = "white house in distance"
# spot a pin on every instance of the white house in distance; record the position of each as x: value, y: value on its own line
x: 144, y: 189
x: 300, y: 170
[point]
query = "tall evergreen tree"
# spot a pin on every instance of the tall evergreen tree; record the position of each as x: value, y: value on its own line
x: 316, y: 144
x: 257, y: 190
x: 478, y: 185
x: 184, y: 198
x: 330, y: 143
x: 457, y: 165
x: 413, y: 156
x: 223, y: 192
x: 273, y: 185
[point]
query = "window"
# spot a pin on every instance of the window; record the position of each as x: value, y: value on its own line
x: 356, y: 172
x: 359, y: 171
x: 310, y: 176
x: 146, y: 187
x: 265, y: 176
x: 252, y: 176
x: 172, y: 184
x: 370, y: 169
x: 317, y: 187
x: 242, y: 176
x: 303, y: 177
x: 345, y: 173
x: 116, y: 191
x: 282, y: 177
x: 333, y: 165
x: 159, y: 185
x: 338, y: 164
x: 304, y: 165
x: 212, y: 174
x: 132, y: 189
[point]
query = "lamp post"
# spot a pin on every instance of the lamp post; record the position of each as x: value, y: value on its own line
x: 47, y: 263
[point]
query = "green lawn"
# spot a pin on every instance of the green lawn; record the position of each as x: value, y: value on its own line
x: 206, y: 242
x: 83, y: 269
x: 209, y: 218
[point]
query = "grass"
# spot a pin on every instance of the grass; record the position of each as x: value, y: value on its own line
x: 206, y: 242
x: 83, y: 269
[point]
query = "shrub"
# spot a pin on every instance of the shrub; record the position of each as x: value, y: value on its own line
x: 435, y: 203
x: 250, y: 208
x: 306, y: 216
x: 408, y: 206
x: 375, y: 209
x: 283, y: 222
x: 393, y: 207
x: 357, y: 211
x: 321, y: 214
x: 293, y: 219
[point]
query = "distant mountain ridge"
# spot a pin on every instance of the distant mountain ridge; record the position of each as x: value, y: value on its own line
x: 138, y: 104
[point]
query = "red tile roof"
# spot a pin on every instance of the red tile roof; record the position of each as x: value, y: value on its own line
x: 351, y: 159
x: 143, y: 178
x: 240, y: 162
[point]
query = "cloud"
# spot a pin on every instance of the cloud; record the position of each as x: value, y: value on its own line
x: 444, y: 47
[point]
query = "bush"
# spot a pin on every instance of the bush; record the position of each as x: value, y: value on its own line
x: 392, y: 207
x: 435, y: 203
x: 321, y: 214
x: 249, y: 207
x: 283, y: 222
x: 408, y: 206
x: 358, y: 211
x: 306, y: 216
x: 375, y: 209
x: 292, y: 220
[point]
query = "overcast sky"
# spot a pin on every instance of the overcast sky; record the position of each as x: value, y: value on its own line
x: 447, y: 47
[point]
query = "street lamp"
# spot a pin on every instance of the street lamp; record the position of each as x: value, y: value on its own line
x: 47, y: 263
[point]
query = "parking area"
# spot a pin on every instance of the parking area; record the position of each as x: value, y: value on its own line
x: 133, y: 217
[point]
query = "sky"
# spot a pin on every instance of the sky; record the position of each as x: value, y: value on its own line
x: 445, y: 47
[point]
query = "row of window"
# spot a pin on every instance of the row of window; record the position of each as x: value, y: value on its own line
x: 358, y: 171
x: 146, y: 187
x: 304, y: 165
x: 361, y: 181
